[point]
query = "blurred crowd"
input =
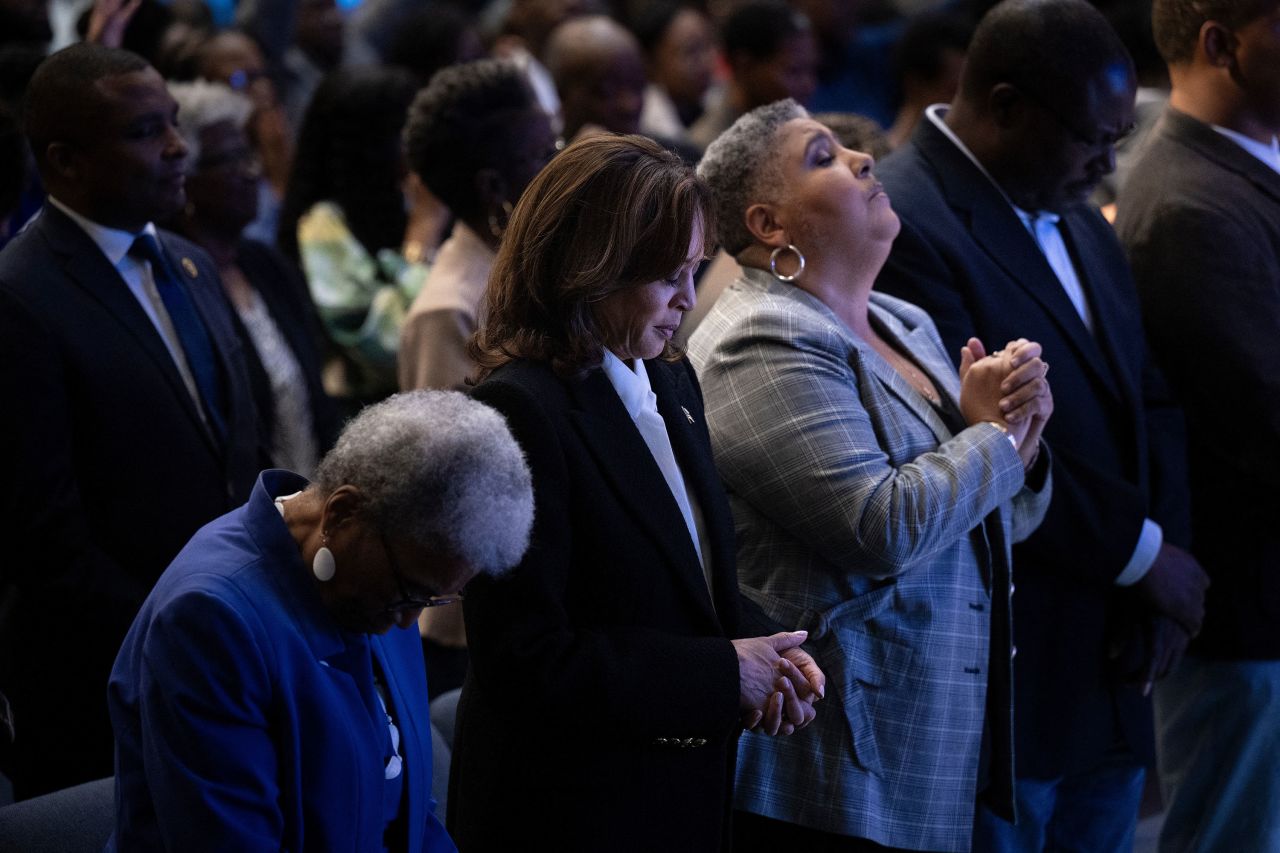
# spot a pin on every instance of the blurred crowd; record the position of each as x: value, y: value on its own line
x: 764, y: 294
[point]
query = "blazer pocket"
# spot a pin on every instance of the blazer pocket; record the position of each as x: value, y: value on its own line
x: 860, y: 665
x: 855, y: 661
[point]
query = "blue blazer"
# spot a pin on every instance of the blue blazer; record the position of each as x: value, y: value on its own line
x: 241, y: 710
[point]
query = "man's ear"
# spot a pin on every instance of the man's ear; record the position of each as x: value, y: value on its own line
x: 1007, y: 105
x: 61, y: 160
x: 1219, y: 44
x: 762, y: 222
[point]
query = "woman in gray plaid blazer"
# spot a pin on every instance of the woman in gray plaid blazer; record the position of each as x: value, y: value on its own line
x: 876, y: 496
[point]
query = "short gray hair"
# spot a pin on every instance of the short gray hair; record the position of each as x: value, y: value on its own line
x: 442, y: 470
x: 203, y: 104
x: 738, y: 165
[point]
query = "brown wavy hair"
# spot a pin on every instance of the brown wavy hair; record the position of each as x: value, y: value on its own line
x: 609, y: 213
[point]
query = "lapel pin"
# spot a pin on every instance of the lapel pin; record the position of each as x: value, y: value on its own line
x: 688, y: 416
x: 189, y: 266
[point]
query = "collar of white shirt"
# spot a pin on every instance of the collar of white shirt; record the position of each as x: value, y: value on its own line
x: 1267, y: 153
x: 632, y: 384
x: 113, y: 242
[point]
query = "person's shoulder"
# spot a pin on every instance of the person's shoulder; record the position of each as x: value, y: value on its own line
x: 755, y: 314
x: 25, y: 257
x: 526, y: 383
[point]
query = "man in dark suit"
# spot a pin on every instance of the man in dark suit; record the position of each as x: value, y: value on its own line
x: 996, y: 243
x: 1200, y: 220
x: 128, y: 423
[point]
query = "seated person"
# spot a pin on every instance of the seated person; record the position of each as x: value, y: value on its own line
x: 270, y: 694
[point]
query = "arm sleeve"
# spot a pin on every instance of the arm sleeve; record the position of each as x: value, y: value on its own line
x: 1094, y: 521
x: 1210, y: 290
x: 816, y: 463
x: 616, y: 682
x: 433, y: 351
x: 204, y: 695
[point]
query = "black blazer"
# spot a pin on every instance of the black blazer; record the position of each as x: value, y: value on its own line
x: 1200, y: 219
x: 601, y: 707
x: 109, y: 471
x: 964, y: 256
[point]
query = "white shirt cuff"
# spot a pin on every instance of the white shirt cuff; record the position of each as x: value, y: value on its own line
x: 1144, y: 554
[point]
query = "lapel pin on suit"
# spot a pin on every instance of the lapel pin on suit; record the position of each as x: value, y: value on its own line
x: 189, y: 267
x: 687, y: 415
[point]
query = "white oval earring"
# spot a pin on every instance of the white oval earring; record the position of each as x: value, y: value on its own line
x: 323, y: 565
x: 773, y: 263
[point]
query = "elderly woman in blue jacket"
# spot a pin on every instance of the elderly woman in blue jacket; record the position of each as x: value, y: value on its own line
x: 271, y: 693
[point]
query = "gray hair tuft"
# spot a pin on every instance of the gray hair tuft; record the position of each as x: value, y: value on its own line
x: 442, y: 470
x: 739, y: 162
x: 203, y: 104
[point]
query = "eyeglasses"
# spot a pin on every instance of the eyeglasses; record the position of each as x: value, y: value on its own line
x: 1090, y: 140
x: 409, y: 601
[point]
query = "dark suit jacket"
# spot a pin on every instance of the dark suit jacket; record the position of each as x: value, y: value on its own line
x: 964, y: 256
x: 111, y: 470
x: 1200, y: 219
x: 284, y: 291
x: 601, y: 708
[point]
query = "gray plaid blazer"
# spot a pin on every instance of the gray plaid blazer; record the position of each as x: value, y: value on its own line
x: 863, y: 519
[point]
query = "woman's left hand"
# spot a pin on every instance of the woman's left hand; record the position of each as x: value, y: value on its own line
x: 1028, y: 396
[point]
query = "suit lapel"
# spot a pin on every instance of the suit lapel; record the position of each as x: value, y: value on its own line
x: 86, y: 266
x: 1210, y: 144
x: 627, y: 464
x: 212, y: 306
x: 680, y: 406
x: 918, y: 347
x: 1107, y: 309
x: 998, y: 230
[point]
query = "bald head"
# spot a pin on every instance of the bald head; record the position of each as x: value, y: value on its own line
x: 599, y: 73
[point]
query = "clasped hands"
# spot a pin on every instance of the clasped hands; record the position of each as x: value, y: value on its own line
x: 778, y: 682
x: 1008, y: 388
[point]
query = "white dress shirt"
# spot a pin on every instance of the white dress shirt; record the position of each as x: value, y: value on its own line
x: 1269, y: 154
x: 632, y: 385
x: 136, y: 272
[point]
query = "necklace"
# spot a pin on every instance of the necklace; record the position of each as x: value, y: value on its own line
x: 905, y: 368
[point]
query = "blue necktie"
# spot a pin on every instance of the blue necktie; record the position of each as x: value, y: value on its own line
x: 190, y: 329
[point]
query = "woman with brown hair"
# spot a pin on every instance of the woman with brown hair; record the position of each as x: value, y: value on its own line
x: 603, y: 674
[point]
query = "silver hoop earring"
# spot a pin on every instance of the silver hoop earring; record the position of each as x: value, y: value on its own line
x: 323, y: 565
x: 773, y: 263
